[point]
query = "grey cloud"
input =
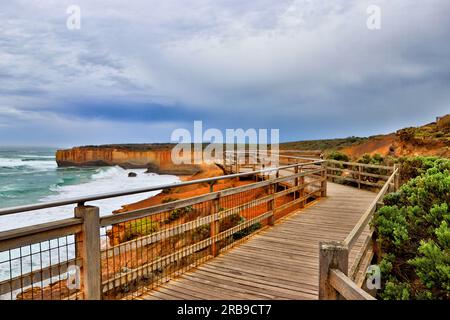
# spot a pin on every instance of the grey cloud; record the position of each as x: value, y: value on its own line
x: 309, y: 67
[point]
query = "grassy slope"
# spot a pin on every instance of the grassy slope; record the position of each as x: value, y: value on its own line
x: 430, y: 139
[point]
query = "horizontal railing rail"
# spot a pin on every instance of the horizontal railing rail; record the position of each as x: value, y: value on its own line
x: 346, y: 287
x: 359, y: 174
x: 82, y: 200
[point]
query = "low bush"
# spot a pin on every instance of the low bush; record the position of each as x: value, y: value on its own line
x: 413, y: 234
x: 140, y: 227
x: 338, y: 156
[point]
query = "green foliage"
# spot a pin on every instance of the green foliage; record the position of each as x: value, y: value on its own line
x: 376, y: 159
x: 140, y: 227
x: 338, y: 156
x: 413, y: 234
x: 411, y: 167
x: 386, y: 264
x: 246, y: 231
x: 202, y: 232
x: 229, y: 222
x: 396, y: 291
x: 327, y: 144
x: 368, y: 159
x: 391, y: 225
x: 178, y: 213
x: 433, y: 263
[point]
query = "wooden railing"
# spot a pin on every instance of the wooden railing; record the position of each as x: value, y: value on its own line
x: 358, y: 174
x: 336, y: 281
x: 120, y: 255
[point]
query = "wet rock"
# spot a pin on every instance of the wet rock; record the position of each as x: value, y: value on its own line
x: 132, y: 174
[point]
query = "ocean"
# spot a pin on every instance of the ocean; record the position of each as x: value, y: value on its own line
x: 31, y: 175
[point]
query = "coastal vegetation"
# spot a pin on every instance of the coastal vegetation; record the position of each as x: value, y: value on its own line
x: 412, y: 232
x: 323, y: 144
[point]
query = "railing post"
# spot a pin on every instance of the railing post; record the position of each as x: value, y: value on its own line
x: 300, y: 182
x: 88, y: 249
x: 397, y: 177
x: 302, y: 192
x: 332, y: 255
x: 273, y: 190
x: 359, y: 176
x: 214, y: 226
x: 323, y: 186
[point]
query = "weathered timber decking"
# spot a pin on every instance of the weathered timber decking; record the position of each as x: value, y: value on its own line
x: 281, y: 262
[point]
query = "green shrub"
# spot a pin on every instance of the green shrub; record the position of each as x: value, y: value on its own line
x: 338, y: 156
x: 368, y: 159
x: 202, y: 232
x: 411, y: 167
x: 140, y: 227
x: 246, y: 231
x: 433, y: 263
x: 376, y: 159
x: 180, y: 212
x: 413, y: 234
x: 396, y: 291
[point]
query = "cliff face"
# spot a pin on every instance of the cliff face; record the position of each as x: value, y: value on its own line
x: 156, y: 160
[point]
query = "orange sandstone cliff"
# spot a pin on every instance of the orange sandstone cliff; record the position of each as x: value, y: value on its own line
x: 156, y: 158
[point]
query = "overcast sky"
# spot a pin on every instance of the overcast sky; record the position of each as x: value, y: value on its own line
x: 136, y: 70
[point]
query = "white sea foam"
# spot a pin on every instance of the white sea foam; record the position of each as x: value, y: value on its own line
x: 32, y: 156
x: 34, y: 165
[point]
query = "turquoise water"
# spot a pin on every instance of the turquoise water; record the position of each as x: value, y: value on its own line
x: 29, y: 174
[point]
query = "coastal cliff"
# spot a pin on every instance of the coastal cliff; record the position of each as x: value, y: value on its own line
x: 155, y: 157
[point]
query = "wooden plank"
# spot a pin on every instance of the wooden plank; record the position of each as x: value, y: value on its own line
x: 360, y: 276
x: 356, y: 263
x: 220, y: 283
x: 346, y: 287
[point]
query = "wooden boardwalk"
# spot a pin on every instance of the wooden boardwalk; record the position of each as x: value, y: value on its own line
x: 281, y: 262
